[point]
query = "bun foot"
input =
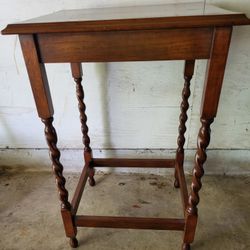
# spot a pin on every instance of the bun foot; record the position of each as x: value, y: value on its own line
x: 91, y: 181
x: 73, y: 242
x: 176, y: 183
x: 186, y: 246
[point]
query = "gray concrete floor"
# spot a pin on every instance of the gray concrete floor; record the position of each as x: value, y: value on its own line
x: 30, y: 217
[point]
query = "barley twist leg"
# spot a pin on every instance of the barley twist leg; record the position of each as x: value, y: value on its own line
x: 188, y: 74
x: 198, y: 171
x: 51, y: 138
x: 77, y: 75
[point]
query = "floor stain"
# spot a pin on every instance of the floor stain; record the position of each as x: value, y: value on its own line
x: 159, y: 185
x: 136, y: 206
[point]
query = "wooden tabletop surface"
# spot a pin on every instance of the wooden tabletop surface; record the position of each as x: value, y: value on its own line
x: 129, y: 18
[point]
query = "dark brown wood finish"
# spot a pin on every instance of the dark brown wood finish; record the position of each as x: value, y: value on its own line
x: 77, y: 75
x: 168, y: 16
x: 179, y: 177
x: 130, y: 222
x: 76, y: 69
x: 133, y: 163
x: 79, y: 189
x: 174, y: 44
x: 37, y: 76
x: 51, y: 137
x: 211, y: 95
x: 40, y: 88
x: 188, y: 74
x: 129, y: 34
x: 130, y: 24
x: 215, y: 72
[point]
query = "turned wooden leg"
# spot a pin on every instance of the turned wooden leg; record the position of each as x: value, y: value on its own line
x: 188, y: 74
x: 51, y: 139
x: 41, y: 93
x: 67, y: 217
x: 198, y: 172
x: 211, y: 94
x: 76, y: 69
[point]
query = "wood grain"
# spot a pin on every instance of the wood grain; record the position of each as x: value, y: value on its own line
x: 184, y: 15
x: 215, y: 72
x: 79, y: 189
x: 37, y: 75
x: 129, y: 222
x: 173, y: 44
x: 133, y: 163
x: 211, y: 95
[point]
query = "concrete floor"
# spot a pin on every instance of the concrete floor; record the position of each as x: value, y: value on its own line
x: 30, y: 217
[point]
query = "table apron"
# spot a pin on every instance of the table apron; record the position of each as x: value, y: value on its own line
x: 113, y: 46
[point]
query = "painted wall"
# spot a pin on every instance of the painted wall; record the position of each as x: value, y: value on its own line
x: 129, y: 105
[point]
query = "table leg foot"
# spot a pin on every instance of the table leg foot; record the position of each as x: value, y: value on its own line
x: 91, y: 177
x: 186, y: 246
x: 176, y: 184
x: 73, y: 242
x: 91, y: 181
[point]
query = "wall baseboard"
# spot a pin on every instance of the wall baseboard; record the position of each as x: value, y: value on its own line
x: 219, y: 162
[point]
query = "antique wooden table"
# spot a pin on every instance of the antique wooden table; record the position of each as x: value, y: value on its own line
x: 165, y: 32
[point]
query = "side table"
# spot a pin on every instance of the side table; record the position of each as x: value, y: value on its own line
x: 146, y: 33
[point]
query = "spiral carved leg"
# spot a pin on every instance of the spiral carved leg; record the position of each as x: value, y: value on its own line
x: 188, y: 73
x: 198, y: 171
x: 77, y: 75
x: 83, y: 116
x: 91, y: 176
x: 51, y: 138
x: 73, y: 242
x: 186, y: 246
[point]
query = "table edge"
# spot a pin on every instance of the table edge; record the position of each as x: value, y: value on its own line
x: 128, y: 24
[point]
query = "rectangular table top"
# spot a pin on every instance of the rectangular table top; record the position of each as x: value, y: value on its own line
x: 130, y: 18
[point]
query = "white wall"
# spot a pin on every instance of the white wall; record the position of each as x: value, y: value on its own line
x: 129, y: 105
